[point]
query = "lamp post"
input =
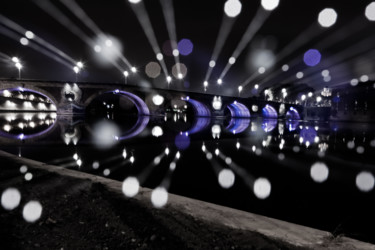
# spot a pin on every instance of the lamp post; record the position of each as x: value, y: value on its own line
x: 169, y: 79
x: 284, y: 93
x: 205, y: 85
x: 265, y: 94
x: 19, y: 67
x: 239, y: 90
x: 126, y: 74
x: 76, y: 70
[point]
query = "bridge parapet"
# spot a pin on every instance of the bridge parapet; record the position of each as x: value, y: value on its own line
x: 75, y: 97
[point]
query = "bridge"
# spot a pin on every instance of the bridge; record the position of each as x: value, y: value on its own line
x: 72, y: 98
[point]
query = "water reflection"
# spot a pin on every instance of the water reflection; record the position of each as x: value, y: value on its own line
x: 25, y: 126
x: 269, y: 124
x: 238, y: 125
x: 235, y: 162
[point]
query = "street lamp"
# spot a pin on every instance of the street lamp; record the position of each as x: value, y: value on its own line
x: 239, y: 90
x: 169, y: 79
x: 284, y: 95
x: 19, y: 67
x: 205, y: 85
x: 126, y: 74
x: 80, y: 65
x: 76, y: 70
x: 266, y: 91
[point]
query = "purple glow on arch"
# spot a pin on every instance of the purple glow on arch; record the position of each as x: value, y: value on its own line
x: 185, y: 46
x: 269, y: 112
x: 238, y: 110
x: 237, y: 126
x: 312, y: 57
x: 200, y: 109
x: 292, y: 124
x: 269, y: 124
x: 139, y: 126
x: 200, y: 123
x: 138, y: 102
x: 292, y: 114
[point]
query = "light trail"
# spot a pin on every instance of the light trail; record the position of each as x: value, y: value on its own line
x: 346, y: 31
x: 341, y: 58
x: 168, y: 11
x: 143, y: 18
x: 54, y: 12
x: 36, y: 38
x: 225, y: 28
x: 80, y: 14
x: 48, y: 49
x: 257, y: 22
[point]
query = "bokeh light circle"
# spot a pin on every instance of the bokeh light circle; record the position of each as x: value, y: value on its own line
x: 159, y: 197
x: 312, y: 57
x: 185, y: 47
x: 168, y: 47
x: 182, y: 141
x: 327, y: 17
x: 32, y: 211
x: 232, y: 8
x: 370, y: 11
x: 10, y: 199
x: 158, y: 100
x: 262, y: 188
x: 130, y: 186
x: 179, y: 67
x: 153, y: 69
x: 226, y: 178
x: 365, y: 181
x: 270, y: 4
x: 319, y: 172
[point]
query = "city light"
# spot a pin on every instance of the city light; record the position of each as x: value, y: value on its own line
x: 232, y: 8
x: 327, y: 17
x: 270, y: 4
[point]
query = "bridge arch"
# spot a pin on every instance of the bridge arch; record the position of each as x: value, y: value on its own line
x: 269, y: 112
x: 200, y: 109
x: 292, y: 114
x: 238, y: 110
x: 140, y: 105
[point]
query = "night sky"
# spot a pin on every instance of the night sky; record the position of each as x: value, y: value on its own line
x: 198, y: 21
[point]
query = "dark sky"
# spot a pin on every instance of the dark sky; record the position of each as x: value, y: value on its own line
x: 197, y: 20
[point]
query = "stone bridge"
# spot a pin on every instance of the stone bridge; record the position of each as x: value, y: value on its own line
x: 71, y: 98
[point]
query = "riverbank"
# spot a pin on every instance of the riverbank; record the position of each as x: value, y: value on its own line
x: 85, y: 211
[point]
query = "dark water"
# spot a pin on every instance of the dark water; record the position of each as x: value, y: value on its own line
x: 314, y: 174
